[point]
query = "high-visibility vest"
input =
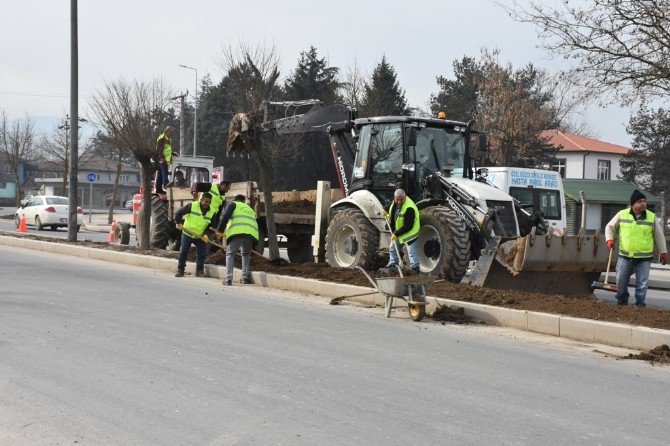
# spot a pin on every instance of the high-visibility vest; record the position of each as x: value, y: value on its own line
x: 217, y: 198
x: 243, y: 221
x: 195, y: 222
x: 636, y: 237
x: 413, y: 233
x: 167, y: 147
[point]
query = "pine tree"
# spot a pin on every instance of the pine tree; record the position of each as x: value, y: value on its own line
x: 383, y: 95
x: 313, y: 79
x: 458, y: 97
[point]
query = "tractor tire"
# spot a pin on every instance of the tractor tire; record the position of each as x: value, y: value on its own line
x: 352, y: 241
x: 160, y: 231
x: 444, y: 243
x: 122, y: 233
x: 299, y: 248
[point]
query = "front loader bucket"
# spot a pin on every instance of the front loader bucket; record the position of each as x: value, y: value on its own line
x: 542, y: 264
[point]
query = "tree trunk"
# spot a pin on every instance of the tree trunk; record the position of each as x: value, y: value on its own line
x: 17, y: 189
x: 115, y: 190
x: 66, y: 173
x: 144, y: 217
x: 273, y: 246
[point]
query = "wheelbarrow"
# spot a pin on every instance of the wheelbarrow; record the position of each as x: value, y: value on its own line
x: 410, y: 289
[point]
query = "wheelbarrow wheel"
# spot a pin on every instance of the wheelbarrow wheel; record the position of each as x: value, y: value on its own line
x: 417, y: 312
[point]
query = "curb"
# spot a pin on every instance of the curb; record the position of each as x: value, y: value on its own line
x: 609, y: 333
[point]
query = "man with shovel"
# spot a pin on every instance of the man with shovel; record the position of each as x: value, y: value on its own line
x: 194, y: 220
x: 638, y: 231
x: 239, y: 221
x: 404, y: 223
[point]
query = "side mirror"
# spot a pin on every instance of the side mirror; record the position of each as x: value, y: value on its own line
x: 410, y: 137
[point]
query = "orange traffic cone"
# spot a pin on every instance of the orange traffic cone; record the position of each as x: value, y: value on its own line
x: 22, y: 223
x: 112, y: 230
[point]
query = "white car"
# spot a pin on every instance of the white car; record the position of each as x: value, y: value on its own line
x: 47, y: 210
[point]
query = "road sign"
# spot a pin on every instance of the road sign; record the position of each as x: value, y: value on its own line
x: 91, y: 177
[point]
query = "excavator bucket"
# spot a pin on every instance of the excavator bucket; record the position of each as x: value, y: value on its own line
x: 542, y: 264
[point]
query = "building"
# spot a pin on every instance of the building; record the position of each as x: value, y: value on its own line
x: 603, y: 200
x: 8, y: 181
x: 586, y: 158
x: 50, y: 175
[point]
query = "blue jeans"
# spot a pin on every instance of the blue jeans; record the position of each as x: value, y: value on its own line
x: 164, y: 174
x: 624, y: 269
x: 412, y: 248
x: 201, y: 249
x: 237, y: 243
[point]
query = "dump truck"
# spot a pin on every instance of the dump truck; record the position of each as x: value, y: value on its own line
x: 463, y: 218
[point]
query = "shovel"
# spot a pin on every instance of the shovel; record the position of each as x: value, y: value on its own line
x: 606, y: 286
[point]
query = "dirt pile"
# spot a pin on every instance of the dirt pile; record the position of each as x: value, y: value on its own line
x: 446, y: 314
x: 304, y: 207
x: 660, y: 354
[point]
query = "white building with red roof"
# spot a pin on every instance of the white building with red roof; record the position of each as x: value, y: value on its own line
x: 586, y: 158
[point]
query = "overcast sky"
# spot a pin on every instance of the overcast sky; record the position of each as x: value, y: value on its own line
x: 150, y: 38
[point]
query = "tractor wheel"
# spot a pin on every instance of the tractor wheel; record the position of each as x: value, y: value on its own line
x: 160, y: 233
x: 444, y: 243
x: 352, y: 241
x: 299, y: 248
x: 122, y: 233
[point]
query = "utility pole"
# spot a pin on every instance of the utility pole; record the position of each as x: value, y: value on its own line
x: 195, y: 109
x: 74, y: 128
x: 182, y: 120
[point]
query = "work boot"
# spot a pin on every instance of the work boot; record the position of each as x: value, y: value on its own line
x: 640, y: 304
x: 228, y: 282
x: 622, y: 302
x: 179, y: 273
x: 246, y: 280
x: 199, y: 274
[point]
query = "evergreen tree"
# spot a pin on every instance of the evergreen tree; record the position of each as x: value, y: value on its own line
x: 383, y: 95
x: 313, y: 79
x: 458, y: 97
x: 649, y: 164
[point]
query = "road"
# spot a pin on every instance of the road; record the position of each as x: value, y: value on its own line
x: 9, y: 225
x: 99, y: 353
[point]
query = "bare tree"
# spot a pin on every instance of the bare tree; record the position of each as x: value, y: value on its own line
x: 17, y: 144
x: 353, y: 87
x: 253, y: 74
x: 55, y: 147
x: 132, y: 115
x: 621, y: 46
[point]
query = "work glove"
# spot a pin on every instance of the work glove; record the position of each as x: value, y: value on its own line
x: 610, y: 244
x: 219, y: 234
x: 205, y: 238
x: 179, y: 226
x: 383, y: 213
x: 394, y: 237
x: 664, y: 258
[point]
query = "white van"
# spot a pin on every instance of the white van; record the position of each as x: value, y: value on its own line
x: 535, y: 189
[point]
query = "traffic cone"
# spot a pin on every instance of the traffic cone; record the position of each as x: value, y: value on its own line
x: 22, y: 223
x: 112, y: 230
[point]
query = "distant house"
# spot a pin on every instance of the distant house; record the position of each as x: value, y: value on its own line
x: 603, y: 200
x: 50, y: 181
x: 8, y: 180
x: 586, y: 158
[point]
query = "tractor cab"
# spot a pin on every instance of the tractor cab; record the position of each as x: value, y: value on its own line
x: 400, y: 151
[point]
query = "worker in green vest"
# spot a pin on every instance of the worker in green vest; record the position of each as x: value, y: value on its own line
x: 194, y: 221
x: 639, y: 231
x: 404, y: 223
x: 218, y: 192
x: 241, y: 230
x: 164, y: 148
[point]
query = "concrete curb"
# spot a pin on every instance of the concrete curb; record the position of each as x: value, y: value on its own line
x: 609, y: 333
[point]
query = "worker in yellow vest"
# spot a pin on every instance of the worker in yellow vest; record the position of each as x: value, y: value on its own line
x: 218, y: 192
x: 241, y: 230
x: 194, y: 220
x: 404, y: 223
x: 638, y: 231
x: 164, y: 148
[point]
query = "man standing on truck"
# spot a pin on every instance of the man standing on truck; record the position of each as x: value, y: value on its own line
x: 164, y: 147
x: 404, y: 224
x: 194, y: 220
x: 639, y: 231
x: 239, y: 221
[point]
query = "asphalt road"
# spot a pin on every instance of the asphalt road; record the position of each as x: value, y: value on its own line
x: 98, y: 353
x: 83, y: 234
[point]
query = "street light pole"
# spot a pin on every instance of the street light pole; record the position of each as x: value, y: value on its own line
x: 195, y: 108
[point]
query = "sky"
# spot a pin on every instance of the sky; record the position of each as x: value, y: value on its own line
x: 146, y: 39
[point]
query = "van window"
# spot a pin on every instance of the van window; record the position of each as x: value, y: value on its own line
x: 547, y: 201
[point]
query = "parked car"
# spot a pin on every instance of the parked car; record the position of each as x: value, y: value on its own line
x: 128, y: 205
x: 47, y: 210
